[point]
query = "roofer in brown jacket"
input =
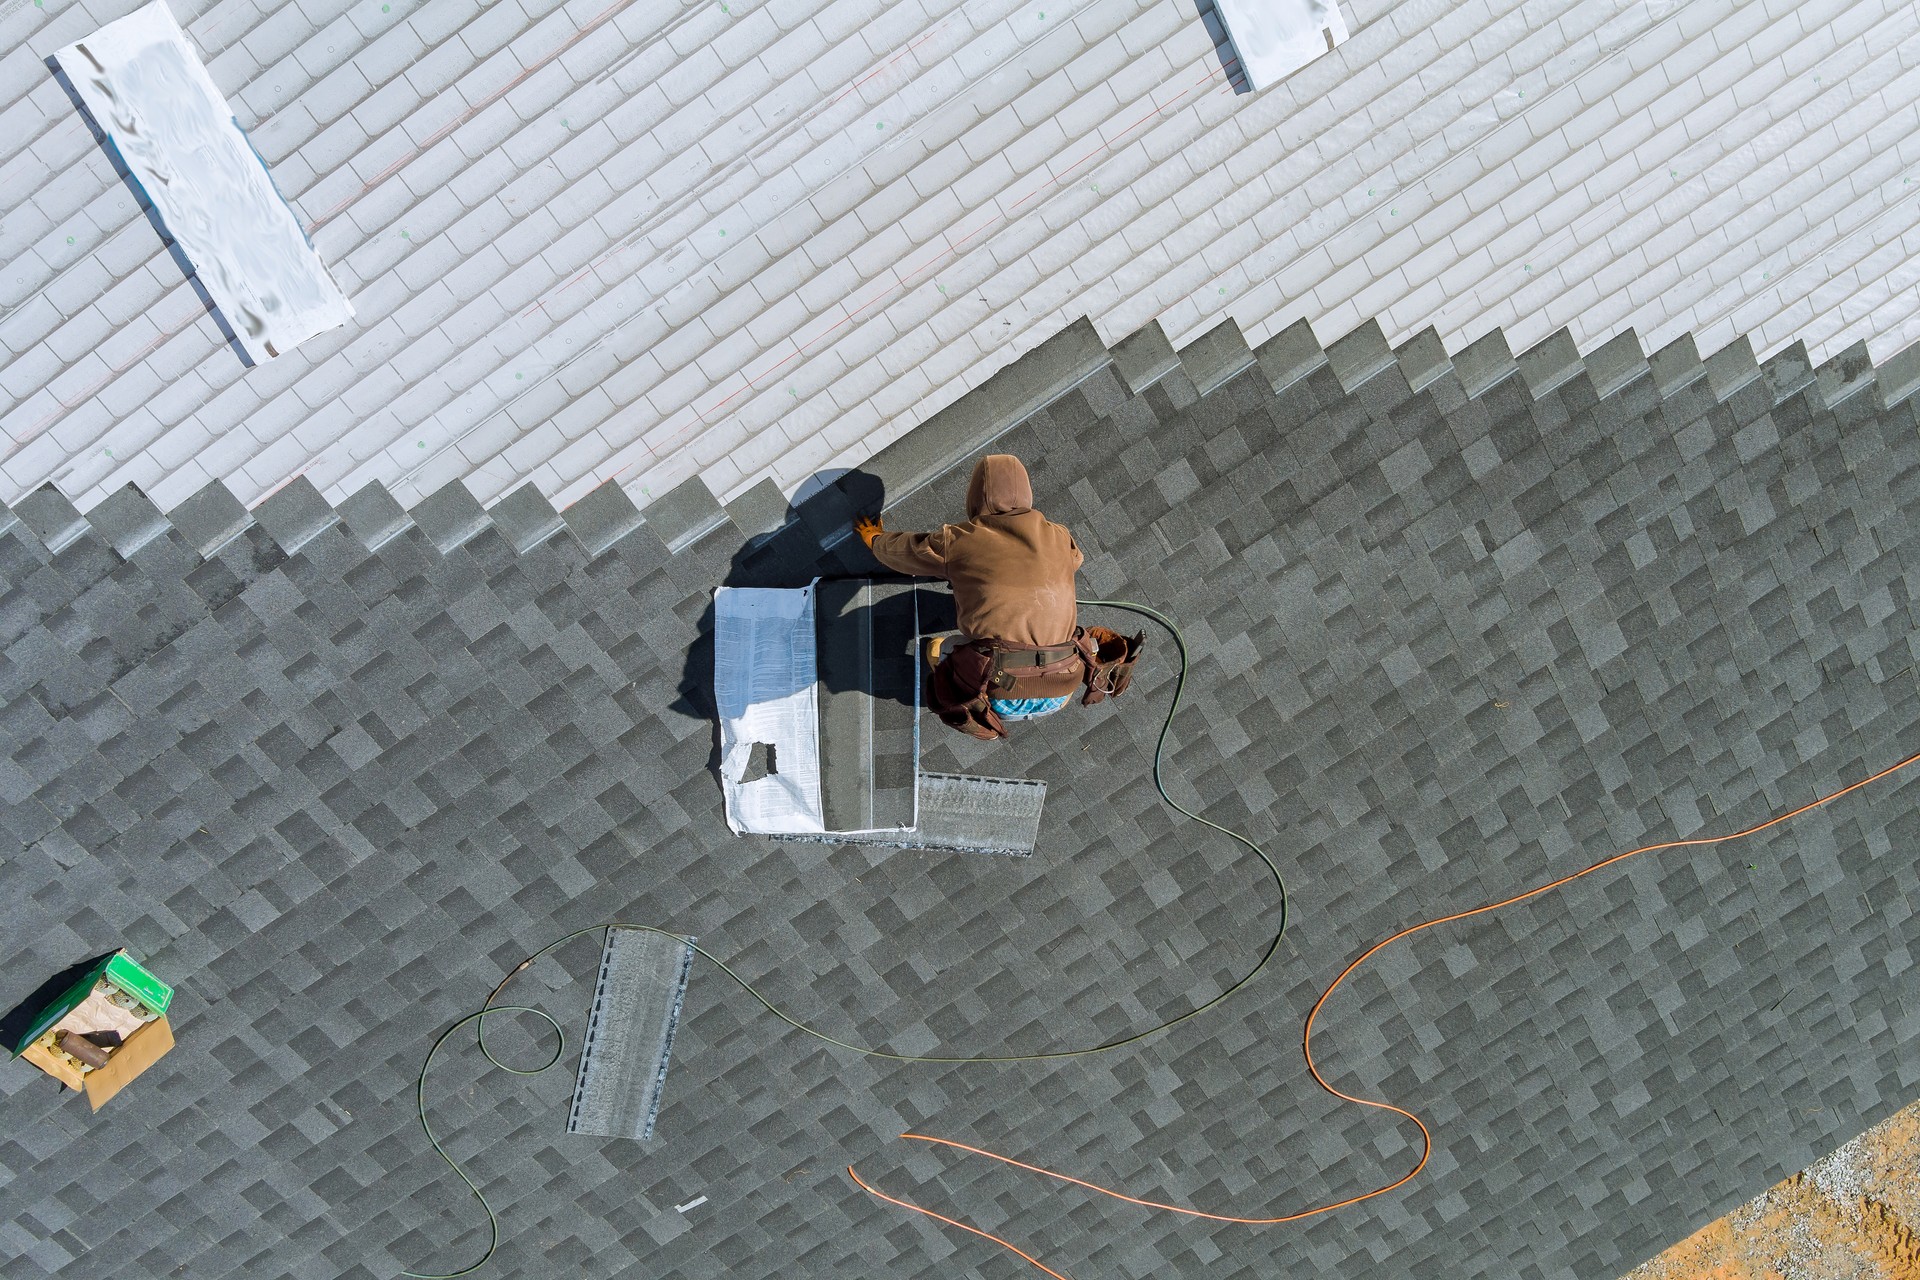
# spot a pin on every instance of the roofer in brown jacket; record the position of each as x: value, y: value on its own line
x: 1021, y: 654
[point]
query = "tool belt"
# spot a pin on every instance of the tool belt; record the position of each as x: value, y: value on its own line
x: 973, y: 674
x: 1014, y: 663
x: 1104, y: 658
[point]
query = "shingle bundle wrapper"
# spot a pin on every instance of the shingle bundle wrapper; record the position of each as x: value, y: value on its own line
x: 763, y: 687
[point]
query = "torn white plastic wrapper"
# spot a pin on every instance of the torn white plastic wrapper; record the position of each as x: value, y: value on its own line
x: 144, y: 85
x: 1275, y: 38
x: 764, y: 675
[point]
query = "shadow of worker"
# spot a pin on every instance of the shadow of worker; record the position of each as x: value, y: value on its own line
x: 815, y: 540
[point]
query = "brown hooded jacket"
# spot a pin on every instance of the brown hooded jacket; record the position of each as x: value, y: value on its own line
x: 1011, y: 567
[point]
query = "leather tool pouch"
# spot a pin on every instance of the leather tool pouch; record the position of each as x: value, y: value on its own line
x: 1110, y: 659
x: 960, y: 692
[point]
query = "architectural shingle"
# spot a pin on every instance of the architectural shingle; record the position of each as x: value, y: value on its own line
x: 1446, y: 646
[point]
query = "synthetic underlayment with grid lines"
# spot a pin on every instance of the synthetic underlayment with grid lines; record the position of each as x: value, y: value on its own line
x: 1445, y: 648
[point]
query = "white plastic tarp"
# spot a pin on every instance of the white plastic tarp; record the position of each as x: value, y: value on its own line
x: 1275, y: 38
x: 764, y: 671
x: 144, y: 85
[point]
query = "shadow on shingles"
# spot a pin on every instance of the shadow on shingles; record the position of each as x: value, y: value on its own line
x: 112, y: 151
x: 18, y: 1020
x: 816, y: 541
x: 1223, y: 46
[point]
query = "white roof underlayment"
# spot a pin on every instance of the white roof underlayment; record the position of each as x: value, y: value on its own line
x: 647, y: 239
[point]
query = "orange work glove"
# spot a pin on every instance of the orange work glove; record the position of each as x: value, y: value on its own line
x: 869, y: 528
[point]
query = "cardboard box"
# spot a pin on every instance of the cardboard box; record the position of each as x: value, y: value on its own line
x: 86, y: 1009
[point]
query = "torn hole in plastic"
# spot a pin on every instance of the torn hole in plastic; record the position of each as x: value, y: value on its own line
x: 762, y: 762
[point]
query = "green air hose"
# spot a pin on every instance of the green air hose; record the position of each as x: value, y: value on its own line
x: 479, y: 1015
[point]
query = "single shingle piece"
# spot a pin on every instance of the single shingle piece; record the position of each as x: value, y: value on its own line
x: 1731, y: 368
x: 210, y: 519
x: 1676, y: 366
x: 1216, y: 356
x: 1485, y: 363
x: 1550, y: 364
x: 1789, y: 372
x: 127, y: 520
x: 1290, y: 355
x: 603, y: 517
x: 685, y: 514
x: 1899, y: 377
x: 296, y: 514
x: 1423, y: 359
x: 1360, y: 355
x: 1144, y: 357
x: 759, y: 512
x: 1616, y: 364
x: 450, y: 516
x: 52, y: 518
x: 1846, y: 375
x: 525, y: 519
x: 374, y: 517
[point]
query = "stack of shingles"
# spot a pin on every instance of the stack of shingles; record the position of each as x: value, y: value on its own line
x: 639, y: 241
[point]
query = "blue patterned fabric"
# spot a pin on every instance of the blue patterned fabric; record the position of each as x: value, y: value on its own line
x: 1028, y: 708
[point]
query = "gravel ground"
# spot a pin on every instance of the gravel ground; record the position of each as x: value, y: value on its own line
x: 1848, y: 1216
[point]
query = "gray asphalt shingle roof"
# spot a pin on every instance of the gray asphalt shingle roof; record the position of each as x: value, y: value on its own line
x: 1448, y: 645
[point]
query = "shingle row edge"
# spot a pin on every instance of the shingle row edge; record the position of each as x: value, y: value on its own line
x: 451, y: 516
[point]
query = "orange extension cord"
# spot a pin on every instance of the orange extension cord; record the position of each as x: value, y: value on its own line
x: 1306, y: 1044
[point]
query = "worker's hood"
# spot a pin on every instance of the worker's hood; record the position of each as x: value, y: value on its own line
x: 999, y: 487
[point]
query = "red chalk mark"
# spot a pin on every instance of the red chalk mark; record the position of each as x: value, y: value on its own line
x: 540, y: 304
x: 277, y: 488
x: 936, y: 30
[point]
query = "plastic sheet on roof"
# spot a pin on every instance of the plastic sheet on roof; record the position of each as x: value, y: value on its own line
x: 146, y: 88
x: 1275, y: 38
x: 769, y: 720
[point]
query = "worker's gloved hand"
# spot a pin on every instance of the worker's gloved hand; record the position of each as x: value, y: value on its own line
x: 869, y: 528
